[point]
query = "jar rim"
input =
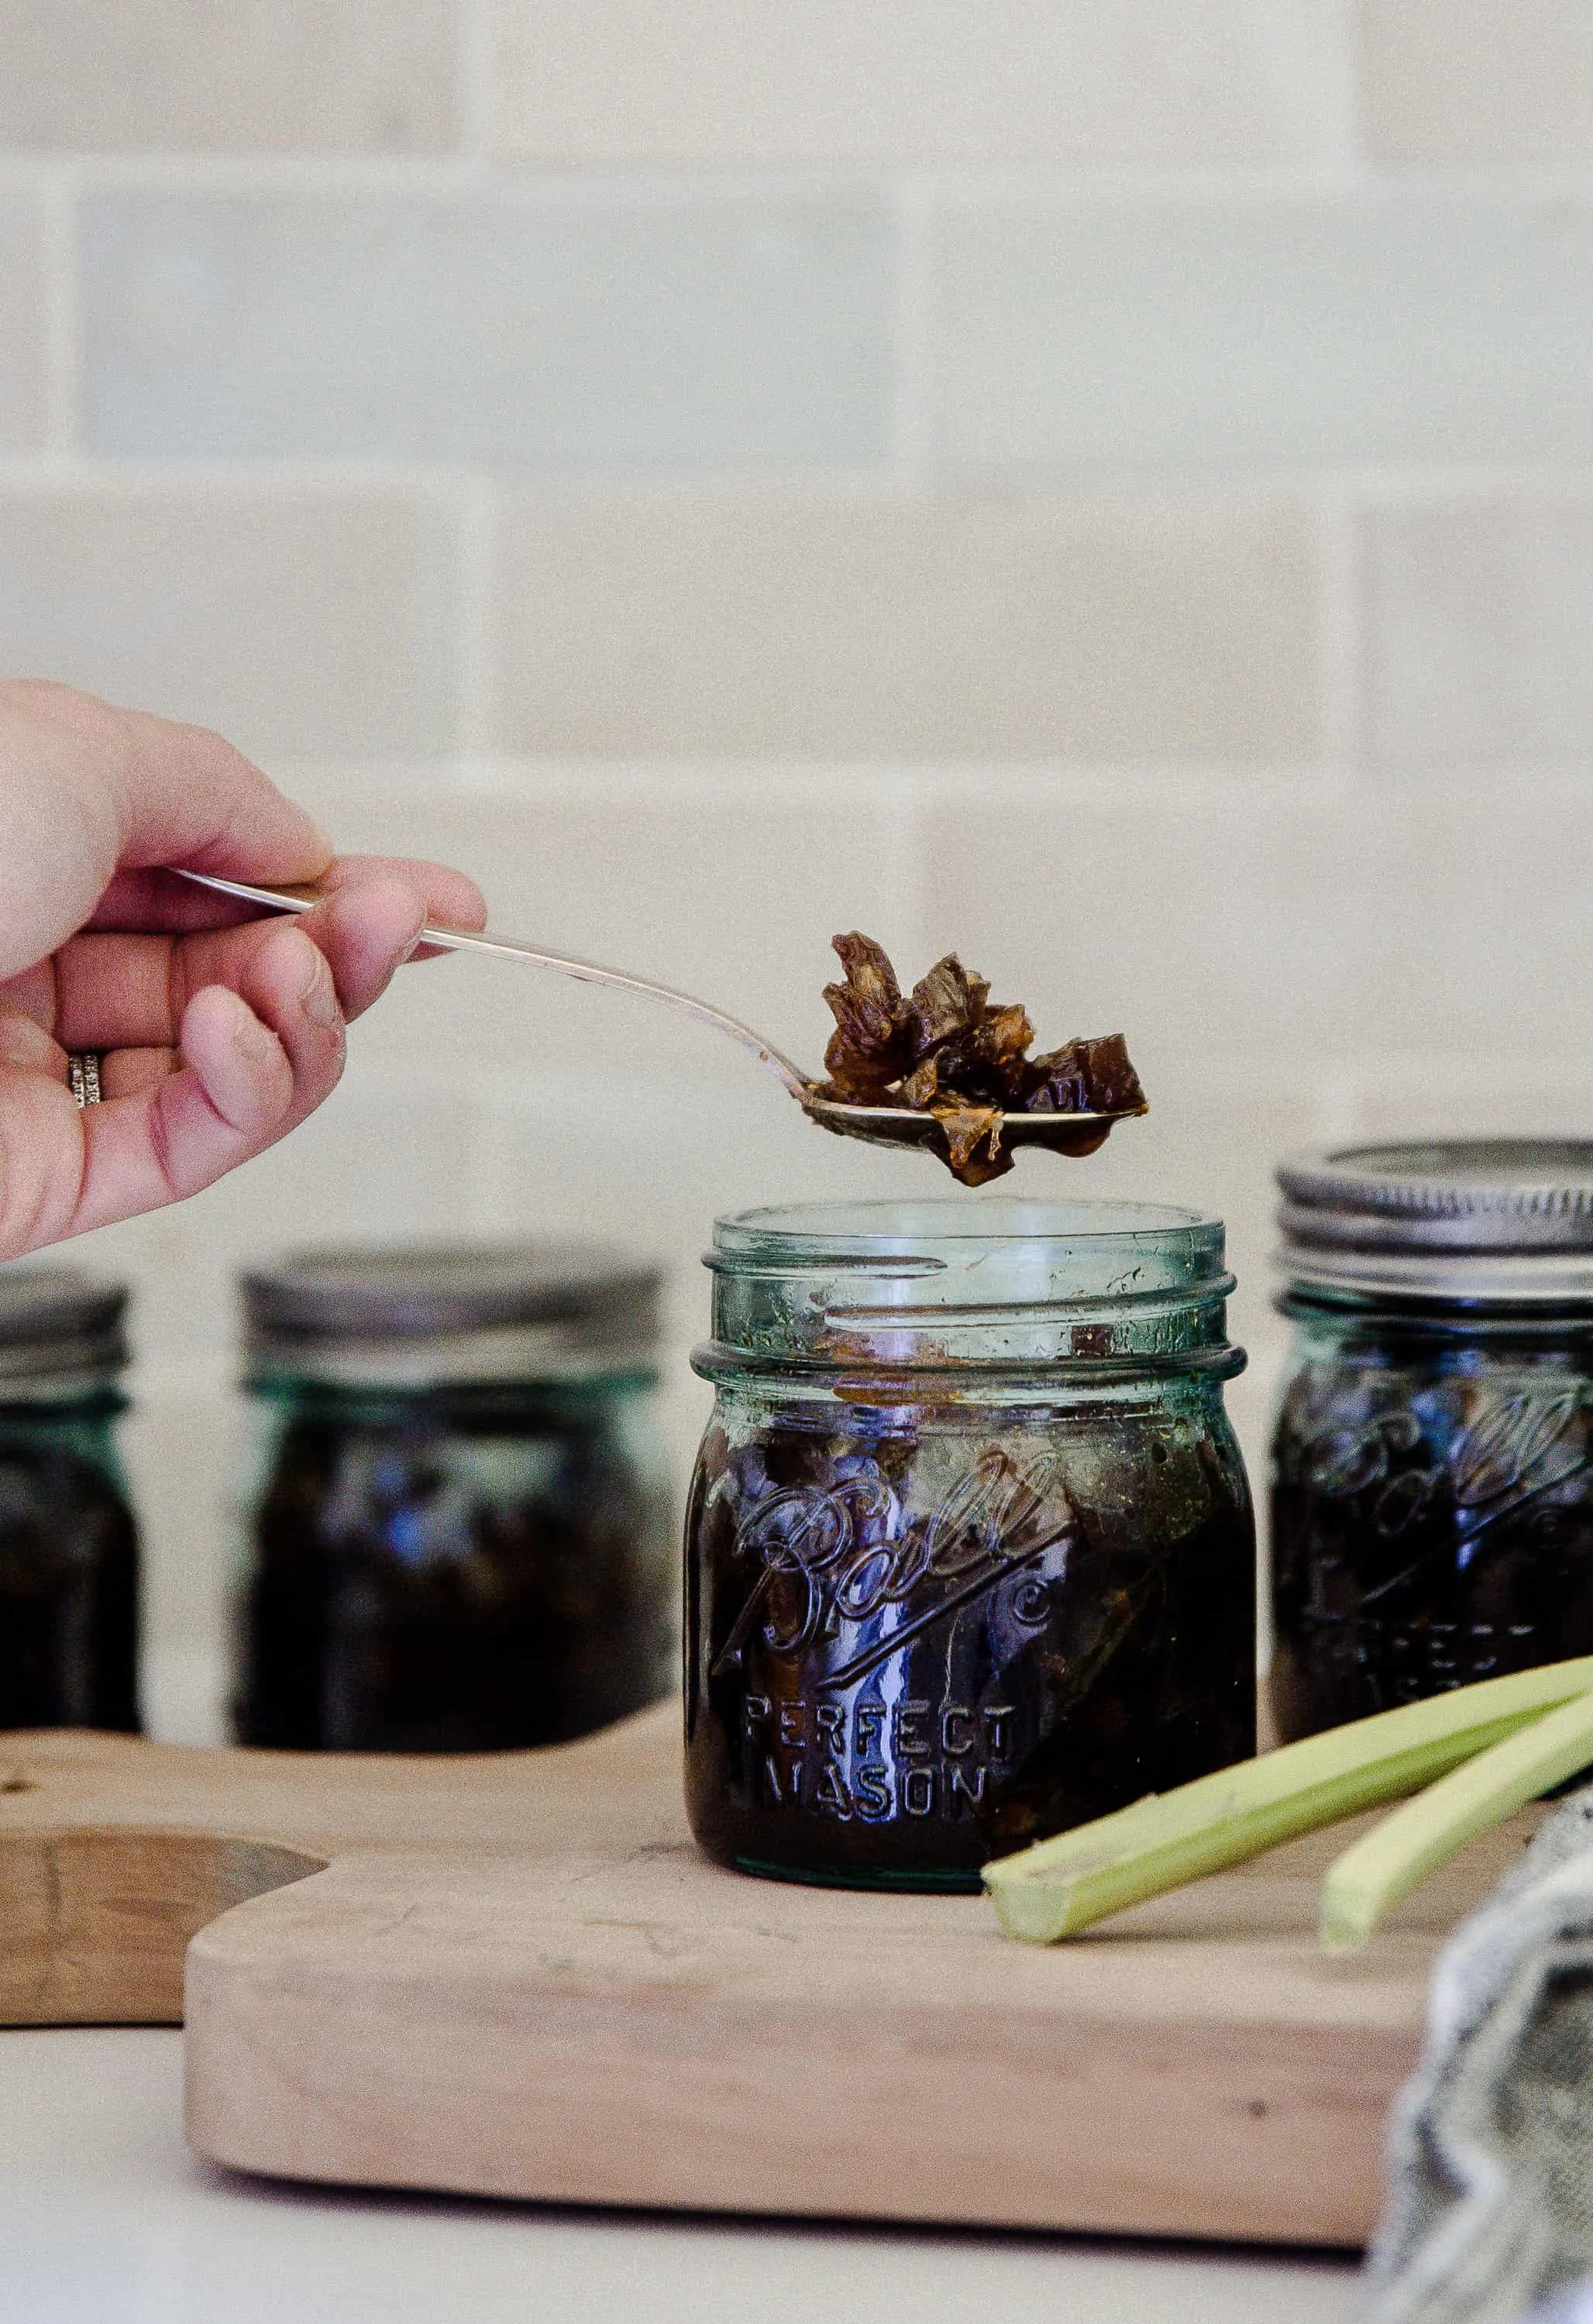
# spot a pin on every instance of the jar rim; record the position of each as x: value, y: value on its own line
x: 881, y: 1228
x: 967, y: 1282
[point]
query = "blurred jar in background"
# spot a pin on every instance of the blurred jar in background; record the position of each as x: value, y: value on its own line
x: 460, y: 1539
x: 68, y: 1545
x: 1432, y: 1467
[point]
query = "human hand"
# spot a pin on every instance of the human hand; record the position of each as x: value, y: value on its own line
x: 217, y: 1037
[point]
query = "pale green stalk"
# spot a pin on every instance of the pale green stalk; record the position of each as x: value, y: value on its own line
x: 1369, y: 1879
x: 1060, y: 1885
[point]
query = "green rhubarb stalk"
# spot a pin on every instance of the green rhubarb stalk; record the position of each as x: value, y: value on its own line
x: 1060, y: 1885
x: 1369, y: 1879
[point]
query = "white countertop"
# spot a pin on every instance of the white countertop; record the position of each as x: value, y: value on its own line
x: 106, y: 2218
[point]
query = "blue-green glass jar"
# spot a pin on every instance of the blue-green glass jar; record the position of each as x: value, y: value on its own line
x: 970, y: 1556
x: 1433, y: 1463
x: 460, y: 1536
x: 69, y: 1544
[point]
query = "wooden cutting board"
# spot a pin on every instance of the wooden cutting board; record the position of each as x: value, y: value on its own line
x: 514, y: 1976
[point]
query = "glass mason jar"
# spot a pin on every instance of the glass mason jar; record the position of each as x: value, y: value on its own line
x: 969, y: 1557
x: 1432, y: 1465
x: 68, y: 1545
x: 461, y: 1538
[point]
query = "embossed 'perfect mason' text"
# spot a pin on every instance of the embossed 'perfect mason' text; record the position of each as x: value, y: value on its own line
x: 875, y: 1760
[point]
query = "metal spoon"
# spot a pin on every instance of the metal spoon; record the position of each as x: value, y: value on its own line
x: 880, y: 1125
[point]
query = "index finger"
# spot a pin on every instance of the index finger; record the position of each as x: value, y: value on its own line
x: 152, y: 902
x: 192, y: 799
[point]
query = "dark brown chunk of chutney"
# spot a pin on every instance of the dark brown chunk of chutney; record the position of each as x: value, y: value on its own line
x: 949, y: 1051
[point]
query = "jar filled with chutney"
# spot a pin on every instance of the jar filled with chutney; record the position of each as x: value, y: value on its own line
x: 69, y: 1544
x: 459, y: 1540
x: 1432, y: 1463
x: 969, y: 1555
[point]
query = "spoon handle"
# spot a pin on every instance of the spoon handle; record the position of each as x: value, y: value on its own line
x: 585, y: 971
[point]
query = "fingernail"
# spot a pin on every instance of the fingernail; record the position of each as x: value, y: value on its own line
x: 250, y: 1038
x: 24, y: 1043
x: 319, y: 999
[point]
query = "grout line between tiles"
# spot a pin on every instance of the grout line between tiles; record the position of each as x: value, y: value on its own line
x: 1375, y: 483
x: 900, y: 800
x: 63, y: 312
x: 1345, y: 179
x: 63, y: 468
x: 1361, y: 175
x: 477, y: 64
x: 1341, y: 632
x: 913, y: 789
x: 643, y: 184
x: 475, y: 616
x: 911, y: 427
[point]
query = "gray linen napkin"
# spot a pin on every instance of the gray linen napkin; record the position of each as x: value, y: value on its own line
x: 1489, y: 2219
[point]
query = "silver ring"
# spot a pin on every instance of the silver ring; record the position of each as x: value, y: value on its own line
x: 83, y: 1072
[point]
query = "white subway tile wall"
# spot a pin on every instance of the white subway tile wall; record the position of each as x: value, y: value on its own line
x: 1108, y: 487
x: 23, y: 329
x: 297, y: 617
x: 1478, y: 81
x: 1257, y: 329
x: 567, y: 327
x: 1479, y: 624
x: 1050, y: 81
x: 276, y: 76
x: 821, y: 624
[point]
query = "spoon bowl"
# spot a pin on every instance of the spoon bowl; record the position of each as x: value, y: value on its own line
x: 877, y: 1125
x: 900, y: 1125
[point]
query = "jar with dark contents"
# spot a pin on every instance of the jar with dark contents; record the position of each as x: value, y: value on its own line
x: 461, y: 1538
x: 1432, y: 1465
x: 68, y: 1545
x: 969, y: 1557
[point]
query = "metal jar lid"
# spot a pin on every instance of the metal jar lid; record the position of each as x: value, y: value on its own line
x: 1507, y: 1218
x: 446, y: 1313
x: 58, y: 1325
